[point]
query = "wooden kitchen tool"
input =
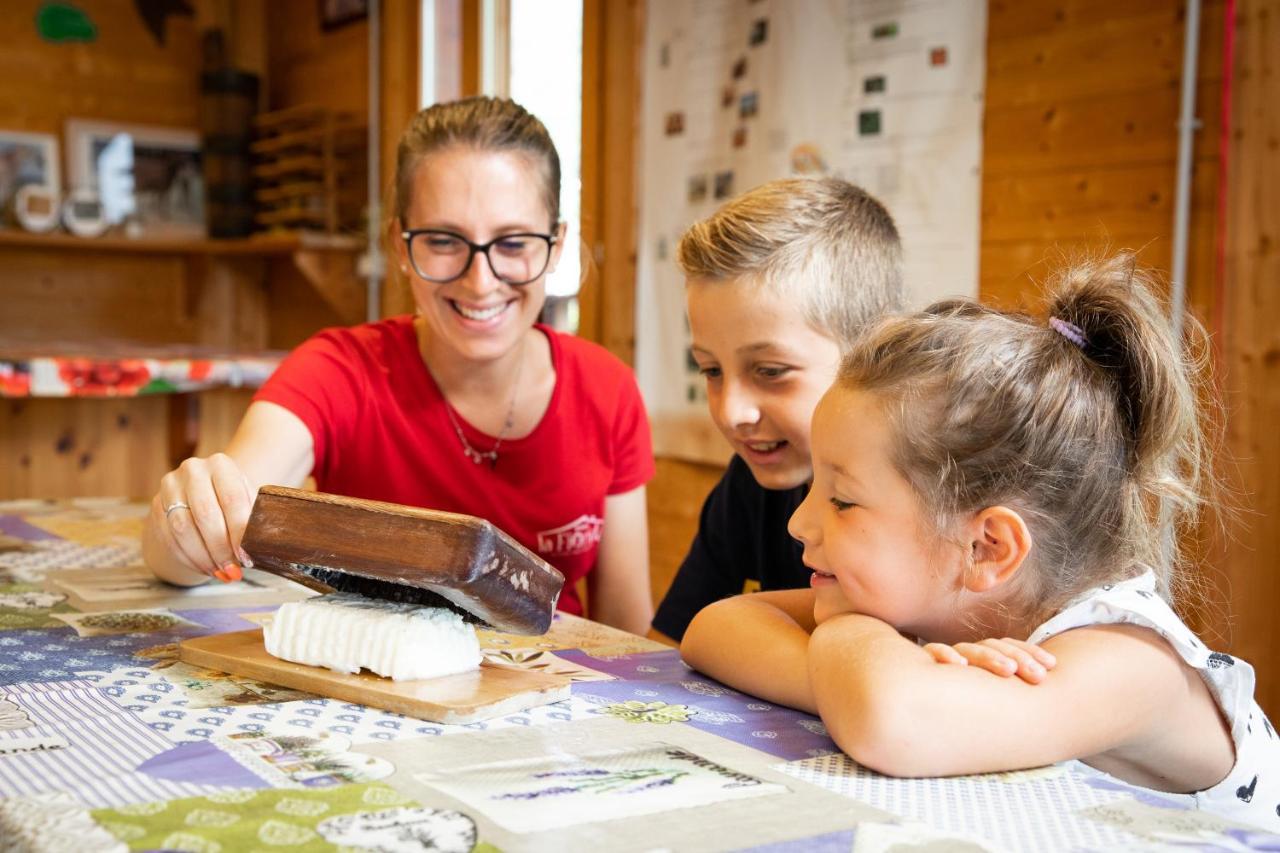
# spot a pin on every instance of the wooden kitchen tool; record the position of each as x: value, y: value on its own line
x: 484, y: 693
x: 399, y: 553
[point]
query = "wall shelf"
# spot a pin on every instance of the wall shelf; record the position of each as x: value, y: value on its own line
x: 267, y: 244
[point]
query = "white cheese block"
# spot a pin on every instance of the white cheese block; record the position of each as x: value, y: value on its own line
x: 347, y: 632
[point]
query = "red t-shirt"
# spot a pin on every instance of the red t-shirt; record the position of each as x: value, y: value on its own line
x: 381, y: 432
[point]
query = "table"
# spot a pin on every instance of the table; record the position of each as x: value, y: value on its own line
x: 108, y: 742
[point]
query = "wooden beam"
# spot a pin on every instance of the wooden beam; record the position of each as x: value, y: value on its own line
x: 611, y: 41
x: 591, y: 203
x: 1252, y: 343
x: 399, y: 97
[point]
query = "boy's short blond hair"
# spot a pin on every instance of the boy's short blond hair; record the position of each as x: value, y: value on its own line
x: 822, y: 241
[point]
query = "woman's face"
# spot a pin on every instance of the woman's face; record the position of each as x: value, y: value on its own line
x: 480, y: 196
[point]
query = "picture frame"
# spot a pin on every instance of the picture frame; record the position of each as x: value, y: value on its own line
x: 147, y: 176
x: 338, y: 13
x: 28, y: 158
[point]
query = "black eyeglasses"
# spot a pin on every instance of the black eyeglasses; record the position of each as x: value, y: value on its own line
x: 442, y: 256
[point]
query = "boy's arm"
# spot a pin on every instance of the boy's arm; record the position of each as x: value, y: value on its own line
x: 1117, y: 689
x: 756, y: 643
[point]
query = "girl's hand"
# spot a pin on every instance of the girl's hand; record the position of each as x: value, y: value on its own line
x: 200, y: 514
x: 1001, y: 657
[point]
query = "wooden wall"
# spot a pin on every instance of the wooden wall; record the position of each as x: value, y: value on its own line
x: 1249, y: 557
x: 309, y: 65
x: 123, y: 75
x: 1080, y: 138
x: 61, y: 448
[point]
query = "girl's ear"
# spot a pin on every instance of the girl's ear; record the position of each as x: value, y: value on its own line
x: 1000, y: 542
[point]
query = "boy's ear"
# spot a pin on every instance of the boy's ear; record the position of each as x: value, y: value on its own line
x: 1000, y: 543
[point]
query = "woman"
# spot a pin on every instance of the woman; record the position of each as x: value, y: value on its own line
x: 469, y: 406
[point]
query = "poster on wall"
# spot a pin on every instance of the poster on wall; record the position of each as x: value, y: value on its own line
x: 884, y: 93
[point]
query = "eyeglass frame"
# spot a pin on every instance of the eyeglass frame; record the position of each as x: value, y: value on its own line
x: 472, y: 248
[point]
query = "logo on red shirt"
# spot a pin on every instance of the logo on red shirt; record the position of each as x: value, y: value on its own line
x: 577, y: 537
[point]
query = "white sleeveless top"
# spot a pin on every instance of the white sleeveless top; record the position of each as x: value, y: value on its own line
x: 1251, y: 792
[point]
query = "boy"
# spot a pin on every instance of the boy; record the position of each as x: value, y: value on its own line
x: 780, y: 281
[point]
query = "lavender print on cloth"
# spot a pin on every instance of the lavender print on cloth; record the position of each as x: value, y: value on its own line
x: 662, y: 678
x: 550, y: 792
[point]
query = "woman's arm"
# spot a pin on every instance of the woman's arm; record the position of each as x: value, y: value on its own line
x: 619, y: 586
x: 756, y: 643
x: 1119, y: 697
x: 186, y: 546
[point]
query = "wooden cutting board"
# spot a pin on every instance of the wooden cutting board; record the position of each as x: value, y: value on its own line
x: 491, y: 691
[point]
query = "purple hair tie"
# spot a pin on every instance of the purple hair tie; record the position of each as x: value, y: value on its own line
x: 1070, y: 331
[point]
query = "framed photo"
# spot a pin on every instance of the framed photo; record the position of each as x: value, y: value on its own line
x: 143, y: 174
x: 27, y: 158
x: 336, y: 13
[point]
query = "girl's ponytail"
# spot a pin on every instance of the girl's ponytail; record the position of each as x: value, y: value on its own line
x: 1124, y: 330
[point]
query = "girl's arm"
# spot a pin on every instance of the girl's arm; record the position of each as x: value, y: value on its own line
x: 619, y: 587
x: 186, y: 546
x: 1119, y: 697
x: 757, y: 643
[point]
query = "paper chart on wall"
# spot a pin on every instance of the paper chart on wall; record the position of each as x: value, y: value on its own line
x: 884, y: 93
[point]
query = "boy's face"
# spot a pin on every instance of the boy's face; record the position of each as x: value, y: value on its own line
x: 766, y: 368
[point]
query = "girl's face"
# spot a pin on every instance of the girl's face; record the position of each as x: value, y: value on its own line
x: 766, y: 368
x: 864, y: 532
x: 478, y: 195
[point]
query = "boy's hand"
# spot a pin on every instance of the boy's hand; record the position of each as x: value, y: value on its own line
x: 1001, y: 657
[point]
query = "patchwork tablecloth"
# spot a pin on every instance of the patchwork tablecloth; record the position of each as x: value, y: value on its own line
x: 109, y: 742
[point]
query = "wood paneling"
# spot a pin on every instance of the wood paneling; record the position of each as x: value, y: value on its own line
x: 122, y: 75
x: 1080, y: 140
x: 612, y: 34
x: 58, y: 448
x: 76, y: 296
x: 309, y: 65
x: 1252, y: 344
x: 675, y: 499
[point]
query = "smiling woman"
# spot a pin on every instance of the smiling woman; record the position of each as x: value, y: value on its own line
x: 469, y: 405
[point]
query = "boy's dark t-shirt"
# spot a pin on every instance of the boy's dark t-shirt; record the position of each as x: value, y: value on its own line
x: 742, y: 545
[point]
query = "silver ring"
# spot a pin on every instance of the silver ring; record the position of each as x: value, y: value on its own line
x: 175, y: 505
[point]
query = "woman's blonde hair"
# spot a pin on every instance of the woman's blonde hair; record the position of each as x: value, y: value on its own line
x: 1089, y: 422
x: 822, y: 241
x: 482, y: 124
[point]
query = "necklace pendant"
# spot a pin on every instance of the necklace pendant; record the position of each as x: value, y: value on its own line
x: 479, y: 456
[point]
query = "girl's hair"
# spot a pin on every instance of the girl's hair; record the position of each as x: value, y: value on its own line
x: 482, y: 124
x: 1087, y: 422
x: 822, y: 241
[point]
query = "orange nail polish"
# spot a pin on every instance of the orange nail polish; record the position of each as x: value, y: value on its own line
x: 232, y: 571
x: 221, y: 575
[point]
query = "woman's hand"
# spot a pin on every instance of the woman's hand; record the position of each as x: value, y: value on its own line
x: 199, y: 516
x: 1001, y: 657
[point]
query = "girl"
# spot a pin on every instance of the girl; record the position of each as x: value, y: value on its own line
x: 1018, y: 478
x: 469, y: 406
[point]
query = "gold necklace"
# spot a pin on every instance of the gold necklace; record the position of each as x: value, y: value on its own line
x: 490, y: 455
